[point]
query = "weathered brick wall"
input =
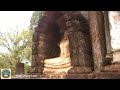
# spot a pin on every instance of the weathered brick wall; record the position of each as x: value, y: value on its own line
x: 45, y: 39
x: 48, y: 33
x: 76, y: 23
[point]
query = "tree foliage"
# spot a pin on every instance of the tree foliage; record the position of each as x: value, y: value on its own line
x: 18, y: 45
x: 34, y: 19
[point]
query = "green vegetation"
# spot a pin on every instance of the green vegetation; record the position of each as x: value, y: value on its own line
x: 18, y: 45
x: 34, y: 19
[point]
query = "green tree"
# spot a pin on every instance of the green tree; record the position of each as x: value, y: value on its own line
x: 18, y: 45
x: 34, y: 19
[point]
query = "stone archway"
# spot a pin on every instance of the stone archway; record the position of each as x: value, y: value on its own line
x: 86, y: 62
x: 76, y: 24
x: 43, y: 40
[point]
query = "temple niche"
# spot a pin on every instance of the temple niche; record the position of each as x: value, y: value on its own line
x: 77, y: 43
x: 62, y: 63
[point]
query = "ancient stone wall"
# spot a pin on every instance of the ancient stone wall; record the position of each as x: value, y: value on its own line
x: 86, y: 39
x: 45, y: 39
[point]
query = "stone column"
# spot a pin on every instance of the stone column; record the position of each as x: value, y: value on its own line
x: 80, y: 46
x: 112, y: 71
x: 99, y: 45
x: 108, y: 40
x: 107, y: 32
x: 97, y: 31
x: 43, y: 40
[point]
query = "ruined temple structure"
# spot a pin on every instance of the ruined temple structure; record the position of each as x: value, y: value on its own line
x: 80, y: 39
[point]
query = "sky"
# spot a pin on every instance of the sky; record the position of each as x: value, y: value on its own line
x: 9, y: 20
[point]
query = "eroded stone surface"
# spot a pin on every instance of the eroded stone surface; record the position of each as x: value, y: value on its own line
x: 80, y: 70
x: 80, y: 76
x: 112, y: 68
x: 97, y: 31
x: 108, y: 75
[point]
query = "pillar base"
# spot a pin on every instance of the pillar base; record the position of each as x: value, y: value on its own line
x: 111, y: 68
x: 108, y: 75
x: 80, y: 70
x: 80, y: 76
x: 80, y: 73
x: 109, y: 72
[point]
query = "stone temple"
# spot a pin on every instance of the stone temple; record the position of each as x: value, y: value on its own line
x: 77, y: 44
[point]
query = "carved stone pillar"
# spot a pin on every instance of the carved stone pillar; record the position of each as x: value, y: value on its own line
x: 80, y: 46
x: 107, y: 32
x: 108, y: 59
x: 96, y: 22
x: 99, y: 47
x: 112, y: 71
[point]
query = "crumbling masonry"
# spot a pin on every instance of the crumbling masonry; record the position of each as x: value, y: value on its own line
x: 89, y: 43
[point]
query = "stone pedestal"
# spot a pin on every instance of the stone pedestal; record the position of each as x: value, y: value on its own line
x: 107, y: 75
x: 109, y: 72
x: 80, y: 76
x: 80, y: 70
x: 20, y: 68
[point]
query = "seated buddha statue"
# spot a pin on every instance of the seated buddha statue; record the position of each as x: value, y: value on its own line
x: 61, y: 63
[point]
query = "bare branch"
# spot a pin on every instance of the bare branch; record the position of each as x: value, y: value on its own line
x: 7, y: 45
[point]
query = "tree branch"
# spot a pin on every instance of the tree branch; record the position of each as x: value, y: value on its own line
x: 7, y: 58
x: 6, y: 46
